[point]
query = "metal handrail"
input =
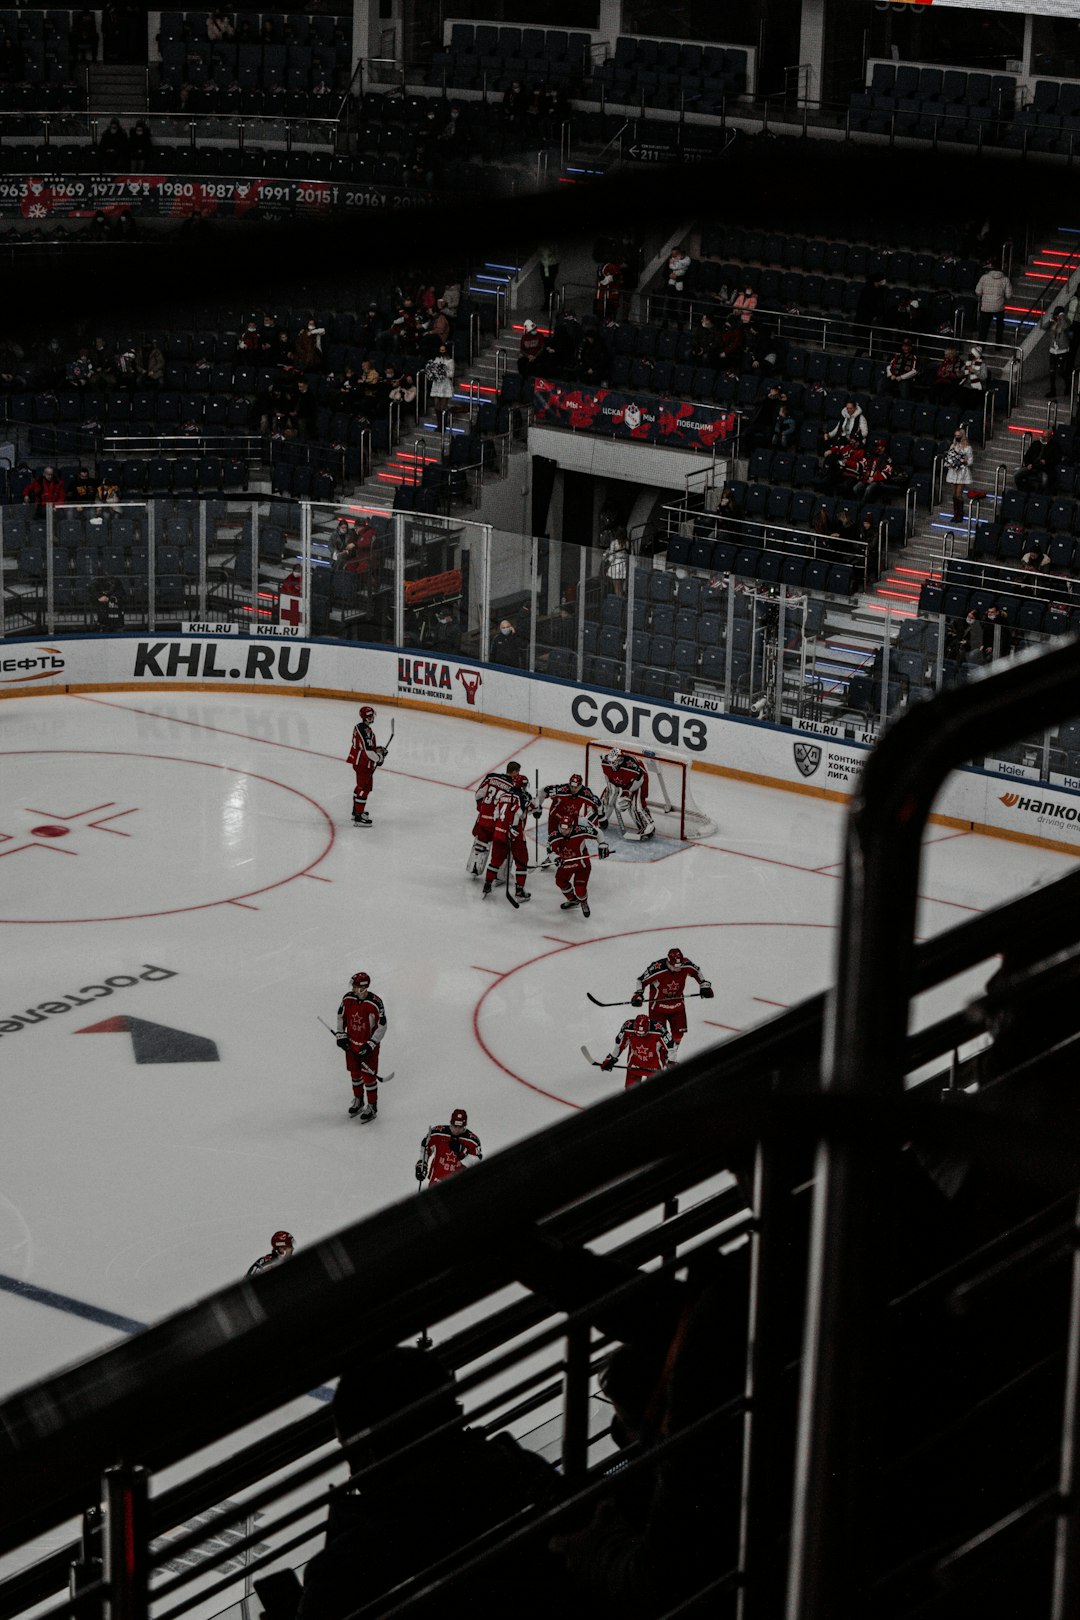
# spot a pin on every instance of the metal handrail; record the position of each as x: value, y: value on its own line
x: 865, y: 1036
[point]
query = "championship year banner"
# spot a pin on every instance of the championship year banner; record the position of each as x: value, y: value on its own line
x: 619, y: 414
x: 177, y: 196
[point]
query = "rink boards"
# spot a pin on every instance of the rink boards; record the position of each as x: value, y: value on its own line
x: 1004, y: 799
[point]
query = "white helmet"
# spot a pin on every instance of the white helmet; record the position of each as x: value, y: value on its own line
x: 613, y: 756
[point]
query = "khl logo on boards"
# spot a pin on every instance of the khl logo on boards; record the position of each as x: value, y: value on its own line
x: 807, y: 757
x: 198, y: 660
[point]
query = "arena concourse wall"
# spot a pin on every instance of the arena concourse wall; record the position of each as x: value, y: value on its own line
x: 1001, y: 799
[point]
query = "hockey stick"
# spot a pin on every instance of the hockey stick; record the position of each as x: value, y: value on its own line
x: 334, y: 1033
x: 509, y: 864
x: 690, y: 995
x: 616, y: 1068
x: 389, y: 740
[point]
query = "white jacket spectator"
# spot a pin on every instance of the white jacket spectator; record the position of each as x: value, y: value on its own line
x: 993, y: 290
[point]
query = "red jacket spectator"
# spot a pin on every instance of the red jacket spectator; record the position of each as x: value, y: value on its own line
x: 45, y: 490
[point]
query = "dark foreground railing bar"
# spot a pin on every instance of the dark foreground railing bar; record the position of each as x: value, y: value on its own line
x: 865, y: 1031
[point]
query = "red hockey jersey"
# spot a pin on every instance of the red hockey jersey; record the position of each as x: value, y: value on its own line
x: 362, y: 1018
x: 665, y: 984
x: 364, y: 746
x: 574, y: 848
x: 579, y: 804
x: 446, y: 1153
x: 647, y: 1049
x: 627, y: 774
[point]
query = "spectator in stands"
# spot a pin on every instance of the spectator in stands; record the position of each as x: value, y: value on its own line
x: 845, y: 526
x: 140, y: 148
x: 403, y: 394
x: 84, y: 488
x: 844, y: 463
x: 999, y: 639
x: 83, y: 37
x: 307, y: 346
x: 867, y: 532
x: 219, y: 26
x: 301, y: 411
x: 514, y: 102
x: 974, y: 377
x: 446, y: 630
x: 434, y: 1486
x: 108, y: 603
x: 439, y: 372
x: 728, y: 512
x: 80, y: 371
x: 678, y: 266
x: 101, y: 357
x: 248, y: 342
x: 972, y: 638
x: 879, y: 475
x: 113, y: 146
x: 993, y: 289
x: 617, y: 560
x: 507, y: 647
x: 902, y: 371
x: 547, y: 255
x: 958, y: 461
x: 1055, y: 323
x: 946, y: 381
x: 906, y: 314
x: 766, y: 416
x: 784, y: 428
x: 531, y: 348
x: 1034, y: 558
x: 608, y: 289
x: 851, y: 424
x: 744, y: 303
x: 154, y: 375
x: 1039, y: 463
x: 44, y: 489
x: 439, y: 330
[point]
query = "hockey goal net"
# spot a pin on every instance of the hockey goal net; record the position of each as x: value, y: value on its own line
x: 671, y: 801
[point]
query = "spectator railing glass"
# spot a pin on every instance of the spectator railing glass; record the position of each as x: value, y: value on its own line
x: 771, y: 641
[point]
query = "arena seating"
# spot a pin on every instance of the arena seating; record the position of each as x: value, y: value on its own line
x: 479, y: 54
x: 961, y: 106
x: 291, y: 53
x: 665, y: 73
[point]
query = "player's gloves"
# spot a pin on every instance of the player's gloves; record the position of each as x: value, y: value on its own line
x: 707, y: 992
x: 364, y: 1051
x: 343, y: 1042
x: 603, y: 852
x: 537, y: 812
x: 623, y: 803
x: 608, y: 1063
x: 381, y: 752
x: 637, y: 999
x: 602, y: 822
x: 421, y: 1169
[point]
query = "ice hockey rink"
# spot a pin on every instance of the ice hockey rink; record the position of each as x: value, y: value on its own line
x: 181, y: 871
x: 183, y: 897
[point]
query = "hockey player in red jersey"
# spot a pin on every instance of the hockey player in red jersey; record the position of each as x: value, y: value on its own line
x: 494, y: 783
x: 361, y: 1025
x: 508, y: 838
x: 627, y: 792
x: 365, y: 756
x: 647, y: 1045
x: 570, y: 798
x: 446, y: 1149
x: 572, y: 849
x: 281, y: 1248
x: 664, y: 982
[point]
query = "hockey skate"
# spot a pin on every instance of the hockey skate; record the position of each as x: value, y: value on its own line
x: 355, y: 1107
x: 585, y: 912
x: 361, y: 820
x: 568, y: 905
x: 522, y: 894
x: 486, y: 891
x: 367, y: 1114
x: 545, y: 863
